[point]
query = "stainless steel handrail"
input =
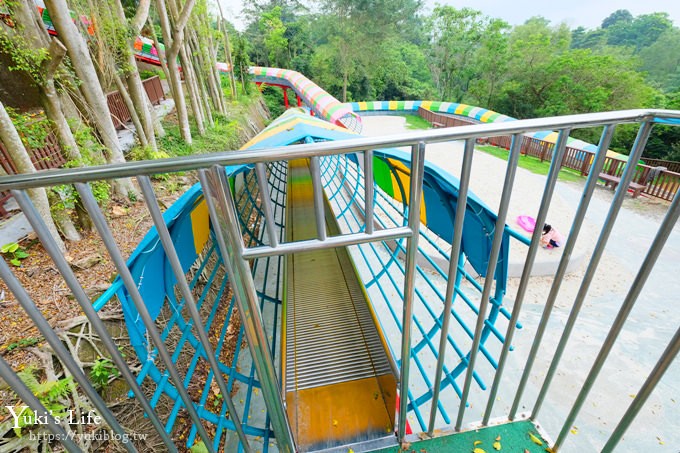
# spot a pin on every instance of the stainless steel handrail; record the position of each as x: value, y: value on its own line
x: 229, y: 238
x: 194, y: 162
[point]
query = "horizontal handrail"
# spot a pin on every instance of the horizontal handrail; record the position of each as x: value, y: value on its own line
x: 151, y: 167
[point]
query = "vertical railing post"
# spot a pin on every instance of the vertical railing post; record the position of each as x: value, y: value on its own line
x: 318, y: 194
x: 639, y: 281
x: 579, y: 217
x: 548, y: 191
x: 369, y: 194
x: 452, y: 276
x: 230, y: 241
x: 417, y: 168
x: 499, y: 231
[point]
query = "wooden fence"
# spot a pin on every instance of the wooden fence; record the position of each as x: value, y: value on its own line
x: 669, y: 164
x: 49, y: 155
x: 660, y: 183
x: 120, y: 114
x: 45, y: 157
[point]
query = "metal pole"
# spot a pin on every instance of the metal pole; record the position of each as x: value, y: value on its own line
x: 199, y: 161
x: 23, y: 392
x: 225, y: 221
x: 86, y: 305
x: 65, y: 356
x: 368, y: 190
x: 499, y: 229
x: 107, y: 238
x: 173, y: 259
x: 647, y: 388
x: 621, y: 191
x: 417, y: 169
x: 555, y: 165
x: 265, y: 198
x: 638, y: 283
x: 461, y: 206
x: 579, y: 216
x: 319, y: 212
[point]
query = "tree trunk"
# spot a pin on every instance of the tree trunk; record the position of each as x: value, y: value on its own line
x: 92, y: 90
x: 134, y: 81
x: 32, y: 30
x: 192, y: 88
x: 141, y: 132
x: 227, y: 51
x: 344, y: 86
x: 161, y: 56
x: 62, y: 218
x: 22, y: 162
x: 174, y: 38
x: 211, y: 69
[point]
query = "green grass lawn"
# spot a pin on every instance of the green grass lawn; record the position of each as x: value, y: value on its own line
x: 417, y: 122
x: 533, y: 164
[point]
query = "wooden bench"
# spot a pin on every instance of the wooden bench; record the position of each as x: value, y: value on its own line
x: 436, y: 124
x: 613, y: 181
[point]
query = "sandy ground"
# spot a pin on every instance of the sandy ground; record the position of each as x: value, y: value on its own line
x: 651, y: 325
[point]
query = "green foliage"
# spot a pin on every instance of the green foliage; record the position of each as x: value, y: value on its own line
x: 33, y: 128
x: 273, y: 97
x: 531, y: 163
x: 23, y: 343
x: 199, y: 447
x: 102, y: 372
x: 459, y: 39
x: 50, y: 394
x: 358, y: 50
x: 25, y: 57
x: 147, y: 74
x: 241, y: 62
x: 224, y: 136
x: 273, y: 31
x: 146, y: 153
x: 14, y: 252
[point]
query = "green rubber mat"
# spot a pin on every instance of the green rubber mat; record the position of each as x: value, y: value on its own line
x: 514, y: 437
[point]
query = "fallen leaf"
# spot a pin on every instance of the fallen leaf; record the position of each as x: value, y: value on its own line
x: 535, y: 439
x: 335, y: 422
x: 477, y: 442
x: 497, y: 445
x: 423, y: 436
x: 478, y: 450
x: 574, y: 430
x: 499, y: 437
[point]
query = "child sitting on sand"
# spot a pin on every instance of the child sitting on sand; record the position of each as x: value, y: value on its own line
x: 551, y: 237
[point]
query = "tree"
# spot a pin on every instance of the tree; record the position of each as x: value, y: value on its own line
x: 620, y: 16
x: 661, y: 60
x: 10, y: 138
x: 639, y: 33
x: 273, y: 31
x: 241, y: 62
x: 173, y: 37
x: 90, y: 87
x: 533, y: 46
x: 465, y: 44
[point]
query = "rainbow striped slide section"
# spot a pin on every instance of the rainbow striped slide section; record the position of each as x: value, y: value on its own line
x: 323, y: 104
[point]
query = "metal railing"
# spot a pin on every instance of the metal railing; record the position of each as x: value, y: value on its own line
x: 223, y: 214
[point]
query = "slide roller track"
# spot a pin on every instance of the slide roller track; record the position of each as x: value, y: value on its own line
x: 339, y: 387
